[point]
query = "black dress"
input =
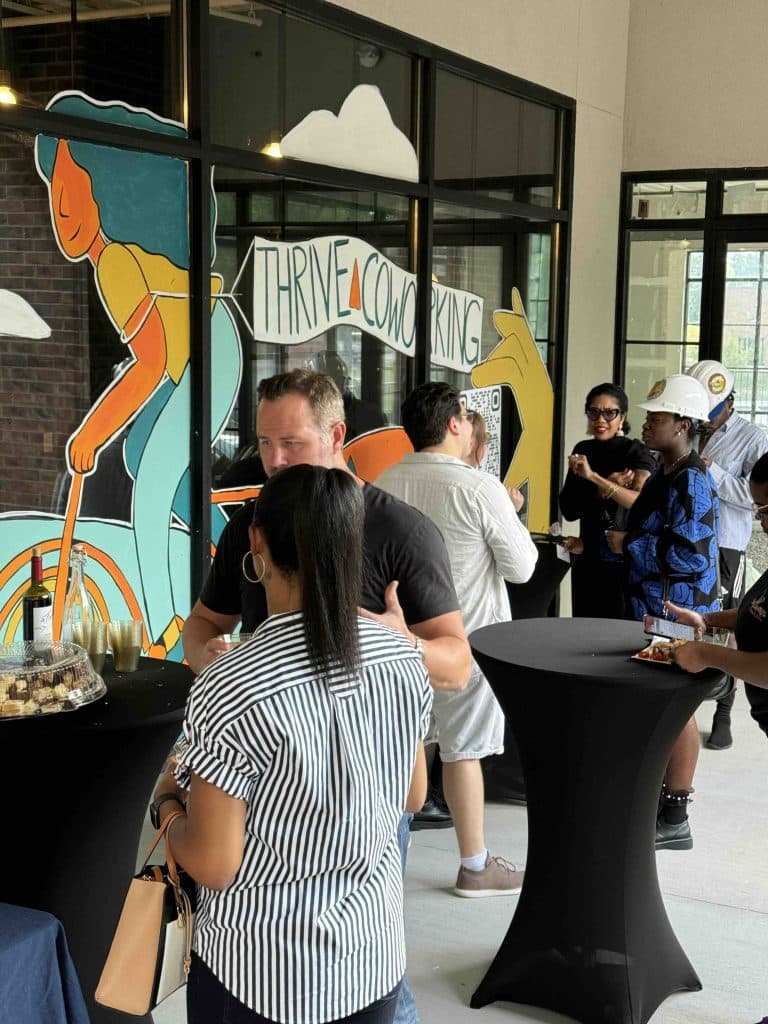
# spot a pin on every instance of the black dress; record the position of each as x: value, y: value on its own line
x: 751, y: 634
x: 597, y: 576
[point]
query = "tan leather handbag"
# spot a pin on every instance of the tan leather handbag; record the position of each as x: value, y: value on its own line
x: 152, y: 948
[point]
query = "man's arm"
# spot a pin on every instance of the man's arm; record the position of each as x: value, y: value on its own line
x: 513, y: 550
x: 201, y: 635
x: 447, y: 654
x: 735, y: 488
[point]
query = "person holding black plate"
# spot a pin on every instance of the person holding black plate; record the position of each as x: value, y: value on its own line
x: 605, y: 475
x: 749, y: 622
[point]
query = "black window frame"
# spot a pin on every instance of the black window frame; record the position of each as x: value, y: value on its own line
x: 717, y: 229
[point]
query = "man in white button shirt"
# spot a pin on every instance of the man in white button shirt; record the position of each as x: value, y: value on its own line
x: 730, y: 446
x: 487, y: 544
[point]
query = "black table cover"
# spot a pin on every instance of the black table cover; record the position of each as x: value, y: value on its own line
x: 590, y: 937
x: 503, y: 773
x: 75, y: 791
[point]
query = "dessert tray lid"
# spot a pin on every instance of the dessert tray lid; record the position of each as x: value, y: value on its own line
x: 42, y: 679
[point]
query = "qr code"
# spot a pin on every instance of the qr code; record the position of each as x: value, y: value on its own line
x: 487, y: 401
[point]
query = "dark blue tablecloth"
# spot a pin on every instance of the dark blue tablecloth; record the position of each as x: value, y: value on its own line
x: 38, y: 982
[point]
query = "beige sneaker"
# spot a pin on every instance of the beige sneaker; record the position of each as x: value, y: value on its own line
x: 498, y: 878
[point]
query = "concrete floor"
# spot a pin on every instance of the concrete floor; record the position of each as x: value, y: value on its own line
x: 716, y: 897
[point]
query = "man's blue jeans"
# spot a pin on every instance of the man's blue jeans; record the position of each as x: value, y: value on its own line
x: 406, y: 1012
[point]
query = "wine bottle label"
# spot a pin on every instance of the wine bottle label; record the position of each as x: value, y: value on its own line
x: 42, y: 624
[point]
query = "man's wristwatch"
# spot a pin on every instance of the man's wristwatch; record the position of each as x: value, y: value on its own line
x: 154, y: 807
x: 418, y: 646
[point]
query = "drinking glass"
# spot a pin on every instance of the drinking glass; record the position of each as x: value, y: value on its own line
x: 125, y: 640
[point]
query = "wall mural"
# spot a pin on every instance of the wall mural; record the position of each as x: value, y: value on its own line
x: 125, y: 214
x: 515, y: 363
x: 300, y: 289
x: 363, y: 137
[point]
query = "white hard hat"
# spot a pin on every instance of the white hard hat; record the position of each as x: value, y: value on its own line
x: 680, y: 394
x: 717, y: 380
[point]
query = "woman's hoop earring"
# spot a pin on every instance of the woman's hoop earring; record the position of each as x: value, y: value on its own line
x: 261, y: 572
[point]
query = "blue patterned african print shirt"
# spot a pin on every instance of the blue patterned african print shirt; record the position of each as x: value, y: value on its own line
x: 671, y: 545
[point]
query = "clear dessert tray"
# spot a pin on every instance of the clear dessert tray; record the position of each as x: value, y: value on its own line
x: 42, y: 679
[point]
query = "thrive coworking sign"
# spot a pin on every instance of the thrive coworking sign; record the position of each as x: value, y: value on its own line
x: 301, y: 289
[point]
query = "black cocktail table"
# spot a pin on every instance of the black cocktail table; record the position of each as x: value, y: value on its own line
x: 75, y: 791
x: 590, y: 937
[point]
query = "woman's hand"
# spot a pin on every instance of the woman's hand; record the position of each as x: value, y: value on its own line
x: 693, y: 657
x: 687, y: 617
x: 615, y: 540
x: 517, y: 498
x: 579, y: 466
x: 574, y: 545
x: 622, y: 478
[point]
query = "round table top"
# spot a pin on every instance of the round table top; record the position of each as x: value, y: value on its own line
x: 594, y: 649
x: 156, y: 692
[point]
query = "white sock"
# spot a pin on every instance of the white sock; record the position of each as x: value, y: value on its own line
x: 476, y: 863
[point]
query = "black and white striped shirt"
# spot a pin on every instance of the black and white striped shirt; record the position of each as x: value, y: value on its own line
x: 311, y: 928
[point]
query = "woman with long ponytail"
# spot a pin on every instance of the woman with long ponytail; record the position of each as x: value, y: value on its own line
x: 304, y: 748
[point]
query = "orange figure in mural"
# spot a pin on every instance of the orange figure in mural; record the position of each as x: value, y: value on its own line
x: 78, y: 229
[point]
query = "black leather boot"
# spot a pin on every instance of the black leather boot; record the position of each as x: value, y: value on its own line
x: 720, y: 737
x: 673, y: 830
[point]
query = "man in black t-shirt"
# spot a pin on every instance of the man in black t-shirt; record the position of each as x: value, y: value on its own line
x: 407, y: 577
x: 408, y: 583
x: 400, y: 544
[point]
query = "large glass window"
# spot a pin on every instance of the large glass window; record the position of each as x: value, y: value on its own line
x: 137, y: 60
x: 290, y: 68
x: 489, y: 260
x: 314, y: 285
x: 697, y: 289
x: 745, y: 196
x: 745, y: 328
x: 660, y: 304
x: 669, y: 200
x: 492, y: 142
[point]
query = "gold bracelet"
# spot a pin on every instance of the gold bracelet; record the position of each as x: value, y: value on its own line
x: 610, y: 493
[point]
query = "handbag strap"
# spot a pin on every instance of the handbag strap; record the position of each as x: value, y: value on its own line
x: 183, y: 903
x: 172, y: 870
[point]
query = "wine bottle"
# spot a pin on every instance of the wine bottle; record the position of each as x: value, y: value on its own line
x: 38, y: 605
x: 77, y: 604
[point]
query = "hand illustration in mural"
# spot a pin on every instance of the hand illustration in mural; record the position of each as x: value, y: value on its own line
x: 125, y: 213
x: 516, y: 361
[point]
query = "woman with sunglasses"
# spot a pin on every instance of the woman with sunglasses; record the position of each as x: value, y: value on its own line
x: 749, y: 623
x: 605, y: 474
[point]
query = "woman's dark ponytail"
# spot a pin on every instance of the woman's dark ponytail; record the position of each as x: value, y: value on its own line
x: 312, y: 520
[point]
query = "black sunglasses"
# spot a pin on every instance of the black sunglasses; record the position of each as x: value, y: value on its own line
x: 609, y: 415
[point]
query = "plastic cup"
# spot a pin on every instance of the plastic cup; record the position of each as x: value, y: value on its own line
x: 716, y: 635
x: 92, y: 636
x: 125, y: 638
x: 233, y: 641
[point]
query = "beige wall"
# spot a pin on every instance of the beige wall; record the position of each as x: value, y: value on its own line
x: 696, y: 85
x: 577, y: 47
